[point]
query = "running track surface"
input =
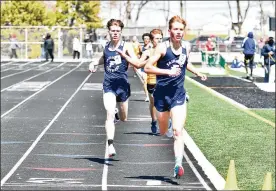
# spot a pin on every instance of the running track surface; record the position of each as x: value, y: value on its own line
x: 53, y: 135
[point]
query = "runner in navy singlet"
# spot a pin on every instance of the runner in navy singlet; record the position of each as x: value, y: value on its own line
x: 116, y: 87
x: 169, y: 95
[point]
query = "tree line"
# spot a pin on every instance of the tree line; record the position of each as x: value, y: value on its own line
x: 64, y: 13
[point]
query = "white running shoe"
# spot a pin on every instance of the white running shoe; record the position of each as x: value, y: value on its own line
x: 169, y: 133
x: 147, y: 99
x: 111, y: 151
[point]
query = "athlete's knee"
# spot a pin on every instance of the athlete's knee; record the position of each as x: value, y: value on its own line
x: 177, y: 134
x: 110, y: 115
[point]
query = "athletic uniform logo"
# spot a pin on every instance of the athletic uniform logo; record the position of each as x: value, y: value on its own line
x: 181, y: 60
x: 114, y: 63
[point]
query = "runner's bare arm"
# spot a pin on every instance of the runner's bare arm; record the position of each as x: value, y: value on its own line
x: 158, y: 53
x: 144, y: 57
x: 101, y: 60
x: 130, y: 56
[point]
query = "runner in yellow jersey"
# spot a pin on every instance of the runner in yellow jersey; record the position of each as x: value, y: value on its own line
x: 147, y: 45
x: 156, y: 36
x: 137, y: 50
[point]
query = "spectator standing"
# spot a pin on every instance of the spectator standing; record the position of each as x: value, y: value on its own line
x: 249, y: 48
x: 14, y: 45
x: 49, y: 47
x: 76, y: 47
x: 269, y: 53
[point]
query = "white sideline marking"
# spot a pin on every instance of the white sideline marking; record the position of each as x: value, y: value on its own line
x: 34, y: 76
x: 210, y: 171
x: 187, y: 158
x: 201, y: 180
x: 42, y: 133
x: 267, y: 87
x: 19, y: 104
x: 6, y: 64
x: 24, y: 71
x: 153, y: 182
x: 105, y: 168
x: 232, y: 102
x: 60, y: 185
x: 17, y: 66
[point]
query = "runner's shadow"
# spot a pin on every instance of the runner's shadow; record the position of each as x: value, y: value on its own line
x: 140, y: 100
x: 100, y: 160
x: 142, y: 133
x: 160, y: 178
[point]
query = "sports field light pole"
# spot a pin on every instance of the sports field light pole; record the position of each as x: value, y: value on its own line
x: 26, y: 44
x: 81, y: 41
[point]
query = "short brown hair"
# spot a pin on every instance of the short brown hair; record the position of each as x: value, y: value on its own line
x: 176, y: 19
x: 115, y: 22
x: 155, y: 31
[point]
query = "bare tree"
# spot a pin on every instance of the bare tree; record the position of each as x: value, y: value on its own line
x: 236, y: 26
x: 181, y: 8
x: 128, y: 12
x: 166, y: 10
x: 140, y: 7
x: 262, y: 19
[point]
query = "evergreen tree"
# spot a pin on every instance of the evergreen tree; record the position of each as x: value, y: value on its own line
x: 76, y: 13
x: 23, y: 13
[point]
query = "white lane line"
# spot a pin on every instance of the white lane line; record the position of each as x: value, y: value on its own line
x: 201, y: 180
x: 105, y: 168
x: 17, y: 66
x: 42, y: 133
x: 207, y: 167
x: 153, y: 182
x: 19, y: 104
x: 24, y: 71
x: 62, y: 185
x: 33, y: 76
x: 6, y: 64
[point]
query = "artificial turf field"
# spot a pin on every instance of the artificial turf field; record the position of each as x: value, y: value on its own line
x: 223, y: 132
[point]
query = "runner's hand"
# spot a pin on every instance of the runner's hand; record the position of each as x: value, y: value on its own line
x: 203, y: 77
x: 92, y: 68
x: 121, y: 53
x: 174, y: 71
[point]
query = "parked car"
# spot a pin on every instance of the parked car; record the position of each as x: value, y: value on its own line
x: 234, y: 44
x: 199, y: 43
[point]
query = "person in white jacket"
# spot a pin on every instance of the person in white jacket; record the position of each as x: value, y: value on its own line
x: 76, y: 47
x: 89, y: 48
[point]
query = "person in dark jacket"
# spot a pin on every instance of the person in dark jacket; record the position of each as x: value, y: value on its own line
x: 269, y: 53
x: 249, y: 48
x: 49, y: 47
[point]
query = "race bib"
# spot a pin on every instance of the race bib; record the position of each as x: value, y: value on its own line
x: 117, y: 59
x: 182, y: 59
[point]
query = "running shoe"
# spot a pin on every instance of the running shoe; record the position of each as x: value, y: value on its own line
x: 117, y: 118
x: 111, y: 151
x: 178, y: 171
x: 154, y: 127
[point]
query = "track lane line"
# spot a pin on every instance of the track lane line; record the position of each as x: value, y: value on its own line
x: 17, y: 66
x: 22, y: 102
x: 34, y: 76
x: 15, y: 167
x: 10, y: 75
